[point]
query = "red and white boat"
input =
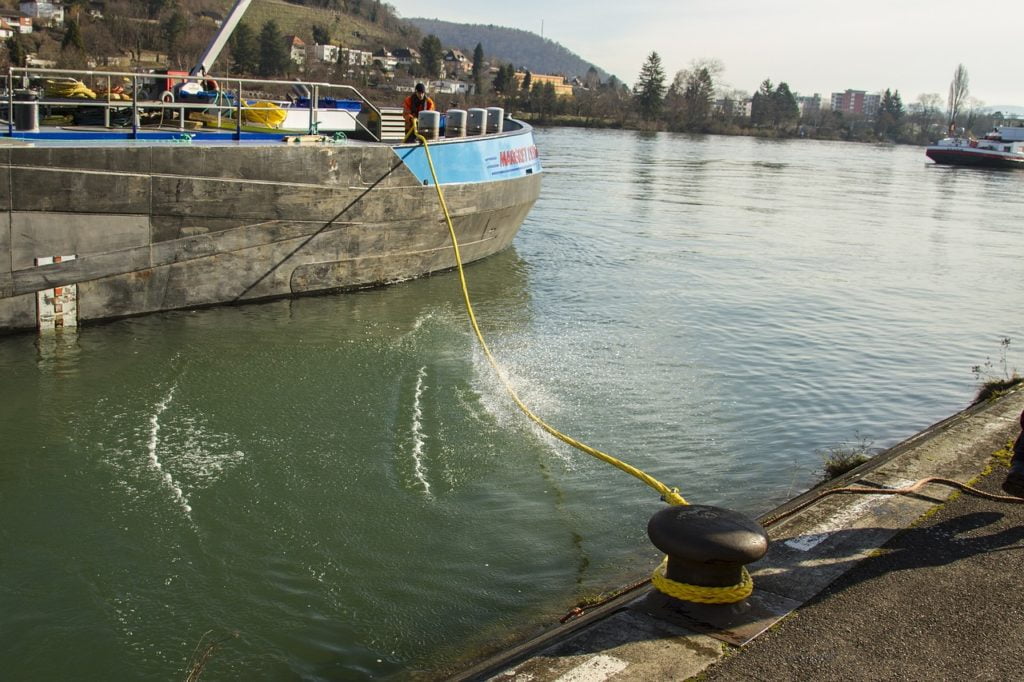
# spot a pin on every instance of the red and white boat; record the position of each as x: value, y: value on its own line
x: 1001, y: 148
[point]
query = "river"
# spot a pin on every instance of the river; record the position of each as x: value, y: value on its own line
x: 341, y: 484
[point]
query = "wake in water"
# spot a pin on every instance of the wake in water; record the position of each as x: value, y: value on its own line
x: 154, y: 461
x: 419, y: 438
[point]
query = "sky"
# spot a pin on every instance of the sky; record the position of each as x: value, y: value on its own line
x: 816, y: 46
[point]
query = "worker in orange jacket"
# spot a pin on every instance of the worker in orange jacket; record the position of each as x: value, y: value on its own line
x: 414, y: 104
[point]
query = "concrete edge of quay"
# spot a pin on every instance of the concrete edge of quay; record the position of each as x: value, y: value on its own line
x: 634, y: 636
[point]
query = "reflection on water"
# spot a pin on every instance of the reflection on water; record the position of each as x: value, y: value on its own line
x: 342, y: 480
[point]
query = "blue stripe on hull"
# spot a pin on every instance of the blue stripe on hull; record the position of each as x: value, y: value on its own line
x: 475, y: 159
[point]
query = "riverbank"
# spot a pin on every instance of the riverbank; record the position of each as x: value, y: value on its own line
x: 902, y: 586
x: 850, y: 131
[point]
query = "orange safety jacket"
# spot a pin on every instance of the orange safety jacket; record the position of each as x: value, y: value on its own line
x: 413, y: 106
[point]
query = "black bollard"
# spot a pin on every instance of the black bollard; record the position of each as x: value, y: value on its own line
x: 707, y: 546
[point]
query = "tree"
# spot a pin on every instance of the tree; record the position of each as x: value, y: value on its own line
x: 697, y: 99
x: 431, y: 54
x: 16, y: 53
x: 244, y: 53
x: 650, y: 87
x: 173, y: 31
x: 273, y: 57
x: 889, y: 123
x: 762, y: 104
x: 785, y: 110
x: 504, y: 80
x: 321, y: 35
x: 73, y: 37
x: 527, y: 81
x: 155, y: 7
x: 478, y: 69
x: 958, y: 92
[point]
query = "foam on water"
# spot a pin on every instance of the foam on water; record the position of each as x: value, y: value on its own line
x: 419, y: 438
x: 154, y: 460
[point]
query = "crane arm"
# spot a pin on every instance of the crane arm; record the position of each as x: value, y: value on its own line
x: 221, y: 39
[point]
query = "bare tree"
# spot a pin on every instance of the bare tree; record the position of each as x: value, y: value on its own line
x: 958, y: 92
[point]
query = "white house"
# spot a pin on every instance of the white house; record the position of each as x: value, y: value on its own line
x: 354, y: 57
x: 48, y: 13
x: 296, y: 50
x: 450, y: 87
x: 327, y: 54
x: 16, y: 21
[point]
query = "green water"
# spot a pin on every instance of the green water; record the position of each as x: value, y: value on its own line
x: 340, y: 481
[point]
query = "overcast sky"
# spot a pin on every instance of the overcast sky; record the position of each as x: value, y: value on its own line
x: 819, y: 46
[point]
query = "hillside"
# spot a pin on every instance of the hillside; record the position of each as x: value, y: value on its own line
x: 362, y: 30
x: 520, y: 48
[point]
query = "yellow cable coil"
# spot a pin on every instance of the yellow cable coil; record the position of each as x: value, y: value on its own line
x: 692, y: 593
x: 264, y: 113
x: 67, y: 88
x: 700, y: 593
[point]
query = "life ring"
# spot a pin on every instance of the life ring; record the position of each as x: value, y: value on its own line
x: 210, y: 85
x: 167, y: 96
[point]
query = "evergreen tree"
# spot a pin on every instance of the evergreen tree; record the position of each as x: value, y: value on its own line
x: 527, y: 81
x: 431, y: 54
x: 762, y: 104
x: 504, y: 80
x: 785, y: 110
x: 649, y: 91
x: 72, y: 36
x: 173, y: 31
x: 155, y: 7
x: 244, y: 54
x: 16, y: 53
x: 321, y: 35
x: 273, y: 55
x: 478, y: 69
x: 889, y: 122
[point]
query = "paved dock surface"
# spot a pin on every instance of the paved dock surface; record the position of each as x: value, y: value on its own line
x: 854, y: 587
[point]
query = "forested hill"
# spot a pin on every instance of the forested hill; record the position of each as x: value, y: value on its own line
x: 520, y: 48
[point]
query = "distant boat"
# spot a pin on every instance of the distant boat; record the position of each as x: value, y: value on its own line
x: 1001, y: 148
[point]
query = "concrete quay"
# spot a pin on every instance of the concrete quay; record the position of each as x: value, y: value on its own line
x: 854, y: 587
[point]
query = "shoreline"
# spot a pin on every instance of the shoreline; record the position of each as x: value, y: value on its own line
x: 810, y: 550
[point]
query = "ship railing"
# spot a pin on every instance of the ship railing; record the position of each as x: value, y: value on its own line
x: 232, y: 99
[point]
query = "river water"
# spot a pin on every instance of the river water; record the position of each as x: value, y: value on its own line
x: 340, y: 480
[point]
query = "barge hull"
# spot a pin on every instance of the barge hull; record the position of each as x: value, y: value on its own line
x: 164, y: 227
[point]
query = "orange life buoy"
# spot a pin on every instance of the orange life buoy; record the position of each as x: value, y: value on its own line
x: 167, y: 96
x: 210, y: 84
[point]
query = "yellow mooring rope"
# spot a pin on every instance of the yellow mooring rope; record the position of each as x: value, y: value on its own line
x: 693, y: 593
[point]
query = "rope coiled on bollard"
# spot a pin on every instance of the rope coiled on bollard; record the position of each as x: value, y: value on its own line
x: 700, y: 593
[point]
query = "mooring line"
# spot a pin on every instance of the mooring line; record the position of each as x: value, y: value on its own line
x: 670, y: 495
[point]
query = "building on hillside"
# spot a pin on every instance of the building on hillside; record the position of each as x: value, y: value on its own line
x: 16, y: 22
x: 214, y: 18
x: 856, y: 102
x: 354, y: 57
x: 809, y: 106
x: 385, y: 59
x: 406, y: 56
x: 296, y: 50
x: 44, y: 13
x: 32, y: 60
x: 450, y: 87
x: 456, y: 64
x: 323, y: 54
x: 562, y: 88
